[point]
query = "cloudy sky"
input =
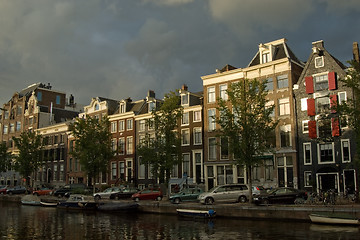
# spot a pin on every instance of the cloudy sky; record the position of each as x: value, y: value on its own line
x: 123, y: 48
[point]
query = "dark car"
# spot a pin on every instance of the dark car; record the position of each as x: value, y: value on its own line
x: 16, y: 190
x: 148, y: 194
x: 72, y: 188
x: 124, y: 193
x: 187, y: 194
x: 285, y: 195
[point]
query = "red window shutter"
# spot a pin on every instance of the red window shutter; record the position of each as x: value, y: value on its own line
x: 311, y: 106
x: 333, y: 103
x: 312, y: 129
x: 309, y: 82
x: 332, y: 80
x: 335, y: 127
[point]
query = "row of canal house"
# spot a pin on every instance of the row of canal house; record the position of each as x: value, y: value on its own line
x: 309, y: 152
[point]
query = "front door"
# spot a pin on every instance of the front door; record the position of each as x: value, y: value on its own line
x: 327, y: 181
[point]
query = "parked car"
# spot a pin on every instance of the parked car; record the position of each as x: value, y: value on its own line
x: 280, y: 195
x: 3, y: 189
x: 148, y: 194
x: 106, y: 193
x: 257, y: 190
x: 16, y: 190
x: 72, y: 188
x: 43, y: 191
x: 226, y: 193
x: 187, y: 194
x: 124, y: 193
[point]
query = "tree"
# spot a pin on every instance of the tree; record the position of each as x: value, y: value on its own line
x: 29, y: 158
x: 245, y: 120
x: 92, y: 145
x: 5, y: 158
x: 164, y: 151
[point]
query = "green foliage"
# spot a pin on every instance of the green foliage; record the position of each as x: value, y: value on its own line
x: 29, y: 158
x: 164, y: 151
x: 5, y: 158
x: 92, y: 144
x: 245, y: 119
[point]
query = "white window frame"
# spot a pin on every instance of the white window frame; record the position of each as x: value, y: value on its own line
x: 185, y: 119
x: 215, y: 150
x: 305, y: 126
x: 340, y: 100
x: 183, y: 101
x: 129, y: 145
x: 121, y: 141
x: 114, y: 126
x: 319, y: 61
x: 211, y: 94
x: 307, y: 144
x: 197, y: 130
x: 284, y: 106
x: 307, y: 181
x: 188, y: 164
x: 129, y: 124
x: 197, y: 116
x: 185, y: 135
x: 223, y: 91
x: 142, y: 124
x: 121, y: 125
x: 304, y: 104
x: 342, y: 150
x: 319, y: 153
x: 212, y: 119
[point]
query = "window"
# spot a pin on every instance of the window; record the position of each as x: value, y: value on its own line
x: 224, y: 148
x: 197, y: 116
x: 285, y: 171
x: 211, y: 94
x: 184, y: 99
x: 197, y: 136
x: 266, y: 57
x: 212, y: 148
x: 122, y: 107
x: 269, y: 84
x: 285, y: 136
x: 129, y: 145
x: 270, y: 104
x: 19, y: 110
x: 121, y: 146
x: 18, y: 126
x: 121, y: 125
x: 113, y: 171
x: 39, y: 96
x: 269, y: 170
x: 185, y: 118
x: 113, y: 145
x: 58, y: 98
x: 152, y: 106
x: 324, y: 128
x: 282, y: 81
x: 141, y: 169
x: 307, y: 179
x: 305, y: 126
x: 319, y: 61
x: 345, y: 150
x: 186, y: 164
x: 129, y: 124
x: 307, y: 154
x: 96, y: 107
x: 304, y: 104
x: 322, y: 104
x: 211, y: 119
x: 12, y: 127
x: 342, y: 97
x: 113, y: 127
x: 284, y: 106
x: 6, y: 114
x: 326, y: 153
x: 223, y: 92
x: 185, y: 137
x: 122, y: 170
x: 142, y: 124
x: 5, y: 129
x: 321, y: 82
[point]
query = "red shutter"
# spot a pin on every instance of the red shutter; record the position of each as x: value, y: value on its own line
x: 309, y: 82
x: 335, y: 127
x: 312, y: 129
x: 333, y: 103
x: 332, y: 80
x: 311, y: 106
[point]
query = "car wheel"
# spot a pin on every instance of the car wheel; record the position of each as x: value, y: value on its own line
x: 158, y: 198
x: 97, y: 198
x: 10, y: 193
x: 136, y: 199
x: 209, y: 201
x: 266, y: 201
x: 117, y: 198
x: 37, y: 194
x: 59, y: 196
x: 177, y: 200
x: 242, y: 199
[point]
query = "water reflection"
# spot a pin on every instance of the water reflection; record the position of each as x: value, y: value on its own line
x: 26, y: 222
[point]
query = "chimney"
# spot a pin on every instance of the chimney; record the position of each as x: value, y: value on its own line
x: 151, y: 94
x: 356, y: 51
x: 184, y: 87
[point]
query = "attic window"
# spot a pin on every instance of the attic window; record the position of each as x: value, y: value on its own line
x: 319, y: 61
x: 265, y: 57
x: 184, y: 99
x: 122, y: 107
x: 96, y: 107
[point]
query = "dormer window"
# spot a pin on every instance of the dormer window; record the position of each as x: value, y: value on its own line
x: 184, y: 99
x: 319, y: 61
x: 122, y: 107
x: 96, y: 107
x: 266, y: 57
x: 151, y: 106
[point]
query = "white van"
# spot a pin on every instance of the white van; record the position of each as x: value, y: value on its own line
x: 226, y: 193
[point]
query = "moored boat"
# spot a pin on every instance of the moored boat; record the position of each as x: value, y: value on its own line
x: 30, y: 200
x: 48, y: 204
x: 337, y: 219
x: 196, y: 213
x: 78, y: 202
x: 118, y: 207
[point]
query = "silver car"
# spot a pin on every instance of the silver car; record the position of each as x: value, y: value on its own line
x: 106, y: 193
x: 226, y: 193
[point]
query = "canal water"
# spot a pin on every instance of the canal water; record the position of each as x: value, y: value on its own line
x: 29, y: 222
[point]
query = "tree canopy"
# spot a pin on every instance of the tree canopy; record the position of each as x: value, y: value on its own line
x: 245, y: 119
x: 164, y: 151
x: 5, y: 157
x: 29, y: 158
x: 92, y: 144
